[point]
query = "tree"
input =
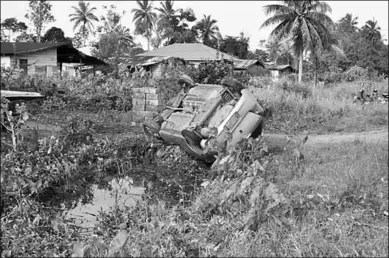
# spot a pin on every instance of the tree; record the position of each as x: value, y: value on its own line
x: 237, y: 46
x: 167, y: 20
x: 78, y: 39
x: 39, y: 14
x: 359, y: 49
x: 207, y: 30
x: 12, y: 25
x: 4, y: 37
x: 261, y: 55
x: 275, y: 49
x: 166, y: 12
x: 83, y: 18
x: 181, y: 32
x: 144, y: 19
x: 115, y: 39
x: 54, y: 34
x: 348, y: 24
x: 280, y: 51
x: 305, y: 23
x: 371, y: 31
x: 26, y: 37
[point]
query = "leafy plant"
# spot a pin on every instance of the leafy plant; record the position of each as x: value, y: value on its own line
x: 12, y: 121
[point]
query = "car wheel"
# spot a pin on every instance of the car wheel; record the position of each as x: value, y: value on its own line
x: 259, y: 130
x: 151, y: 130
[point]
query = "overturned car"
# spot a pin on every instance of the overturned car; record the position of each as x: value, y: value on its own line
x: 207, y: 116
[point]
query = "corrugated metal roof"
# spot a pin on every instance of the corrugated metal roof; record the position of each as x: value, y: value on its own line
x: 7, y: 48
x: 278, y: 67
x: 245, y: 64
x: 150, y: 60
x: 66, y: 53
x: 190, y: 52
x: 155, y: 60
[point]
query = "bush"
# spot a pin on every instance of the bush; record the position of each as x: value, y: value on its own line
x: 211, y: 72
x: 301, y: 89
x: 355, y: 73
x: 331, y: 77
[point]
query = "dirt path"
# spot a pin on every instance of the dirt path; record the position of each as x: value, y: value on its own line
x: 276, y: 141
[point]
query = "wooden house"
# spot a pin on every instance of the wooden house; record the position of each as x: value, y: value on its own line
x: 186, y: 53
x: 279, y: 70
x: 43, y: 58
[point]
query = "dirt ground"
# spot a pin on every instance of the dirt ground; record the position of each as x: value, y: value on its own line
x: 277, y: 141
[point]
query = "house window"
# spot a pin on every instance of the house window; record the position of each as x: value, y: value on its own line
x: 39, y: 69
x: 23, y: 65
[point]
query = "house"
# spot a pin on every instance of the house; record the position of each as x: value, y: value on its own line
x: 44, y: 58
x: 279, y: 70
x: 187, y: 53
x: 156, y: 65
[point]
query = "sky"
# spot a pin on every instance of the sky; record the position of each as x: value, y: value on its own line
x: 233, y: 17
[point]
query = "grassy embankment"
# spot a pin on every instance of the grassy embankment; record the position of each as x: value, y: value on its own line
x: 298, y: 108
x: 335, y: 203
x: 295, y: 108
x: 332, y: 203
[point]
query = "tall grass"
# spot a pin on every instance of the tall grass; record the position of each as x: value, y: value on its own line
x: 299, y: 107
x: 337, y: 206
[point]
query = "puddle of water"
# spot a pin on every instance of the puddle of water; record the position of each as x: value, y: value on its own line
x: 122, y: 193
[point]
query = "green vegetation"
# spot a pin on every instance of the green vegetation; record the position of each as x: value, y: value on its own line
x: 83, y: 18
x: 317, y: 201
x: 299, y: 199
x: 303, y: 107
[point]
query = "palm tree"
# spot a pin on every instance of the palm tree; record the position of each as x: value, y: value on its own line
x: 84, y: 17
x: 144, y: 19
x: 167, y: 11
x: 349, y: 23
x: 331, y: 44
x: 274, y: 48
x: 207, y: 29
x: 125, y: 40
x: 372, y: 30
x: 167, y: 19
x: 303, y: 22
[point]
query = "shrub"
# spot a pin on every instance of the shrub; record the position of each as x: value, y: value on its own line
x: 301, y: 89
x: 355, y: 73
x: 211, y: 72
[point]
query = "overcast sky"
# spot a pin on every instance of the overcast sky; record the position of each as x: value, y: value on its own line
x: 233, y: 16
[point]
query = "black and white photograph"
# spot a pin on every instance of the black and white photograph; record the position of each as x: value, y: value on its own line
x: 194, y: 128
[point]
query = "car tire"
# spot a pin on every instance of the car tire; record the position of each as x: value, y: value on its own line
x: 259, y: 130
x: 151, y: 129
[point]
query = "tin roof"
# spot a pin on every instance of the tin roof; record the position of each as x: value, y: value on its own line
x: 246, y: 64
x: 272, y: 66
x: 7, y: 48
x: 193, y: 52
x: 190, y: 52
x: 66, y: 53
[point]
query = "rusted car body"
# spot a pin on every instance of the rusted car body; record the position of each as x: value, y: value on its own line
x: 235, y: 116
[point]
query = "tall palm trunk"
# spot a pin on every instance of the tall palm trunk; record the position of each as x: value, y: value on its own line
x: 83, y: 33
x: 301, y: 66
x: 316, y: 68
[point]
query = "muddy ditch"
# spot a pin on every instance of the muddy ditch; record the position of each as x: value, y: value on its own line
x: 160, y: 173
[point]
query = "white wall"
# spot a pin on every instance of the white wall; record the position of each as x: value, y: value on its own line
x: 5, y: 61
x: 42, y: 59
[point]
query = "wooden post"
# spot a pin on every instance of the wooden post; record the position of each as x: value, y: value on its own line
x: 60, y: 70
x: 80, y: 70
